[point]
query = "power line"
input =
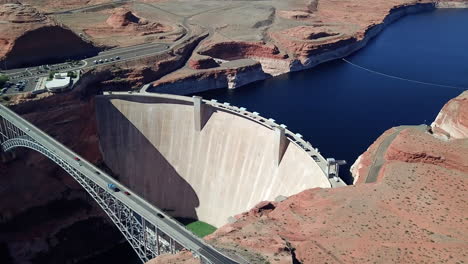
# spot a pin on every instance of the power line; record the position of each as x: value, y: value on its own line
x: 403, y: 79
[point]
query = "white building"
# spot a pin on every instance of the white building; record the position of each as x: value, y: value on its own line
x: 60, y: 82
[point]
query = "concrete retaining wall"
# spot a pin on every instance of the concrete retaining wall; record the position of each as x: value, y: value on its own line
x: 225, y: 169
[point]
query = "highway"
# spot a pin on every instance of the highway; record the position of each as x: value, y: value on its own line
x: 91, y: 7
x: 149, y: 212
x: 125, y: 54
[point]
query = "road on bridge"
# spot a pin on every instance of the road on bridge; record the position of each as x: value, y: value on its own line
x: 169, y: 226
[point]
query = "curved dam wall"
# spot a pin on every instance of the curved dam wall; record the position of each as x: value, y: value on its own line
x: 224, y: 169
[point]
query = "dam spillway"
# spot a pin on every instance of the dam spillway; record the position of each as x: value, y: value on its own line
x: 229, y: 164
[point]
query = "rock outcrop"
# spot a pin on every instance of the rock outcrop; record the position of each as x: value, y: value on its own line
x: 452, y: 121
x: 241, y: 50
x: 28, y: 37
x: 202, y: 62
x: 189, y: 81
x: 124, y: 20
x: 412, y: 211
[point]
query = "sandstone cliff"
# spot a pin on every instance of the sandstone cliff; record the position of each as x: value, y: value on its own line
x: 452, y: 121
x: 28, y: 37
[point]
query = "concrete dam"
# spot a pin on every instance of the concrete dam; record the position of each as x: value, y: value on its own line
x: 201, y: 159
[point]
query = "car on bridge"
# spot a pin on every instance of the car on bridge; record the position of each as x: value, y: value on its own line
x: 127, y: 193
x: 78, y: 160
x: 113, y: 187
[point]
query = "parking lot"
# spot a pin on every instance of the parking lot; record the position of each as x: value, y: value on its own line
x: 19, y: 86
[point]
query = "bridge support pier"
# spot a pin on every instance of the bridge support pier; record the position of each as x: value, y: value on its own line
x: 281, y: 144
x: 198, y: 112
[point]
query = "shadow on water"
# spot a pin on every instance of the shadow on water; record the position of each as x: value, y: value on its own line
x: 147, y: 173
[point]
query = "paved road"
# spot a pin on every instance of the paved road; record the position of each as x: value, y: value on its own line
x: 83, y: 9
x: 31, y: 74
x: 379, y: 158
x: 138, y: 204
x: 127, y: 53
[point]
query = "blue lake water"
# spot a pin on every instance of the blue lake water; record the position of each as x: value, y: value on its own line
x: 342, y: 109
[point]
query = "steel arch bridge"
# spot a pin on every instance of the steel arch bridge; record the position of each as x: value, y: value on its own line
x: 148, y: 229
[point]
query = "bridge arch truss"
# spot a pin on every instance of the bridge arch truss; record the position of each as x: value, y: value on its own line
x: 145, y: 235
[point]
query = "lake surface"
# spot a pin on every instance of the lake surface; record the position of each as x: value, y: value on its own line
x: 342, y: 109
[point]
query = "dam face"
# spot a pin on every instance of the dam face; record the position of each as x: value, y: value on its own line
x: 151, y: 143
